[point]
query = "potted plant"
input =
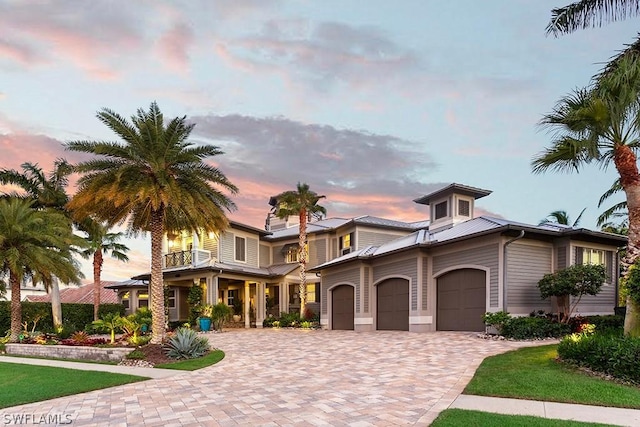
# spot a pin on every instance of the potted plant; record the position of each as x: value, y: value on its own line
x: 204, y: 320
x: 237, y: 310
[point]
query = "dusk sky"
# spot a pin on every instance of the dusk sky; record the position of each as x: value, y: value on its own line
x: 371, y: 103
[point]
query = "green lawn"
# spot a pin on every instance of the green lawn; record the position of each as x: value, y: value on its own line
x: 28, y: 383
x: 533, y: 373
x: 193, y: 364
x: 461, y: 417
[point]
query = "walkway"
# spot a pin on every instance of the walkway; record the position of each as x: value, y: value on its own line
x: 295, y: 378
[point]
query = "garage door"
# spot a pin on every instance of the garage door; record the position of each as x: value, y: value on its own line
x: 461, y: 300
x: 342, y: 308
x: 393, y: 305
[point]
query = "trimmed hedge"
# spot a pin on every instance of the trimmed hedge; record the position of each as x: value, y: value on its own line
x: 602, y: 323
x: 75, y: 316
x: 609, y: 353
x: 524, y: 328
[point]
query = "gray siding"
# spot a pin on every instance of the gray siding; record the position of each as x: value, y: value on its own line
x: 406, y: 267
x: 328, y: 280
x: 605, y: 300
x: 211, y: 245
x: 365, y: 289
x: 486, y: 256
x: 561, y: 257
x: 317, y: 252
x: 252, y: 252
x: 425, y: 283
x: 226, y: 247
x: 372, y: 238
x: 278, y: 256
x: 265, y: 251
x: 334, y: 248
x: 526, y: 265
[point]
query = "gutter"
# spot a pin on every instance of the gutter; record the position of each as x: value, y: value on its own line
x: 504, y: 269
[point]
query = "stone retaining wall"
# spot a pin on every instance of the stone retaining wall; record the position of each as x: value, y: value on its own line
x: 114, y: 354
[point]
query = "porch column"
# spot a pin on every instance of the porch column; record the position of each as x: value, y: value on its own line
x: 213, y: 289
x: 260, y: 304
x: 247, y: 305
x: 284, y: 297
x: 194, y: 249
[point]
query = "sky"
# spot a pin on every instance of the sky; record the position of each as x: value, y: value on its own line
x: 373, y: 104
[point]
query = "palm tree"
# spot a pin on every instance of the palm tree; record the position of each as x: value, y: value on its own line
x: 155, y: 180
x: 619, y: 210
x: 304, y: 203
x: 46, y: 192
x: 34, y: 244
x: 101, y: 243
x: 590, y: 13
x: 562, y: 217
x: 598, y: 124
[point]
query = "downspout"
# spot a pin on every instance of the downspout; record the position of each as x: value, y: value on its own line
x: 504, y: 270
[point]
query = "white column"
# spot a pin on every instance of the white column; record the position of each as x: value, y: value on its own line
x: 284, y: 297
x: 214, y: 289
x: 247, y: 304
x: 260, y: 304
x: 194, y: 248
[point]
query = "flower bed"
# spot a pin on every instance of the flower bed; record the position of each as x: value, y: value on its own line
x: 113, y: 354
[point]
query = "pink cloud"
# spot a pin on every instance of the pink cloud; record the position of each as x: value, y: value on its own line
x: 174, y: 45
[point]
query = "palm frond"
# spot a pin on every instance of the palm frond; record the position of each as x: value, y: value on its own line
x: 590, y: 13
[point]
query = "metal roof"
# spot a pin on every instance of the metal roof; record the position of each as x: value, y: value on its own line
x: 467, y: 190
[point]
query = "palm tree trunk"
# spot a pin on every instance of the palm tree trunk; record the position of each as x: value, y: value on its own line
x: 156, y: 286
x: 16, y: 308
x: 626, y: 164
x: 302, y: 241
x: 56, y: 304
x: 97, y: 285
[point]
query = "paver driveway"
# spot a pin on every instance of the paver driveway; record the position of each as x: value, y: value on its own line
x: 296, y: 378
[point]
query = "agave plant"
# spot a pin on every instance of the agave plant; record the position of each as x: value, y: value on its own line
x: 186, y: 344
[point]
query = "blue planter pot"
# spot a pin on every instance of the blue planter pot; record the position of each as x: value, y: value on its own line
x: 205, y: 324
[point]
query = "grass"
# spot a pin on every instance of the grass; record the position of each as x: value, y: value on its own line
x: 533, y: 373
x: 194, y: 364
x: 99, y: 362
x: 28, y: 383
x: 461, y: 417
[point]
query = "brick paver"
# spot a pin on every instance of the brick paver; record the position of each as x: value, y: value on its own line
x: 294, y: 378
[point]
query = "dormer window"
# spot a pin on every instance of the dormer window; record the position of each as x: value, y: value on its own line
x: 441, y: 210
x: 346, y: 243
x: 464, y: 208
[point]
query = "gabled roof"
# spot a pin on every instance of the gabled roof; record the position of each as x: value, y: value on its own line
x: 474, y: 228
x: 249, y: 228
x: 331, y: 224
x: 80, y: 295
x: 467, y: 190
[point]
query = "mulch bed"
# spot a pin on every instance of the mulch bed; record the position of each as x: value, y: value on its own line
x: 154, y: 353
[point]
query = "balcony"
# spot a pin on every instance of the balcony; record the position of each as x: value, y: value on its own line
x: 186, y: 258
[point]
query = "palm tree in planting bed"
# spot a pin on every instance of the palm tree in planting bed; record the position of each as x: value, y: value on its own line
x: 599, y: 124
x: 155, y: 180
x: 101, y: 243
x: 34, y: 244
x: 301, y: 202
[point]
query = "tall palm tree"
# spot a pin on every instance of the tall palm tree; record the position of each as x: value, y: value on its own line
x: 101, y: 243
x: 34, y: 244
x: 562, y: 217
x: 301, y: 202
x: 155, y: 180
x: 590, y: 13
x: 599, y: 124
x: 46, y: 192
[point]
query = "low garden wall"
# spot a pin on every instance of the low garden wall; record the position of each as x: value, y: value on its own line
x: 113, y: 354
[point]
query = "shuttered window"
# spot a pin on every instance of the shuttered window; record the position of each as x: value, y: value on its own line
x: 441, y: 210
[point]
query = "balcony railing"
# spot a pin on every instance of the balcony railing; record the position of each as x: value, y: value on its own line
x: 186, y: 258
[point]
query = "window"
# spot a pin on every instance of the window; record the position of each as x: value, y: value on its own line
x: 241, y: 249
x: 143, y: 299
x: 347, y: 241
x: 441, y: 210
x: 292, y: 252
x: 312, y: 292
x: 232, y: 295
x: 590, y: 256
x: 464, y: 207
x: 171, y: 298
x: 125, y: 300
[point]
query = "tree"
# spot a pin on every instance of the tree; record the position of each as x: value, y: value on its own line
x: 101, y: 243
x: 304, y: 203
x: 576, y: 280
x: 34, y: 244
x: 561, y: 217
x: 590, y: 13
x: 46, y: 192
x: 155, y: 180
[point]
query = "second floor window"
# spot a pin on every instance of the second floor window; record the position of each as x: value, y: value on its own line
x: 240, y: 249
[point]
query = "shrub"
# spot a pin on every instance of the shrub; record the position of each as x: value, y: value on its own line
x: 139, y: 340
x: 220, y: 313
x: 195, y: 298
x: 66, y: 331
x: 186, y: 344
x: 497, y: 320
x: 522, y: 328
x: 80, y: 337
x: 136, y: 354
x: 610, y: 353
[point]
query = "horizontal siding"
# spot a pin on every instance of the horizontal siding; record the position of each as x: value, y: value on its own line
x: 317, y: 253
x: 486, y: 256
x: 276, y: 252
x: 372, y: 238
x: 252, y: 252
x: 365, y: 289
x: 351, y: 276
x: 425, y: 283
x: 406, y: 267
x: 561, y: 257
x: 211, y: 245
x: 265, y: 252
x: 227, y: 241
x: 526, y: 265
